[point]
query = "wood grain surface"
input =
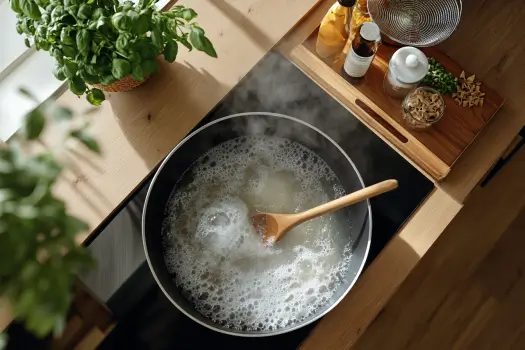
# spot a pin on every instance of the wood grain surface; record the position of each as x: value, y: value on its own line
x: 468, y: 292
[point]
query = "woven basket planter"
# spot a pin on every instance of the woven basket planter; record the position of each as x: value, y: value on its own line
x: 124, y: 84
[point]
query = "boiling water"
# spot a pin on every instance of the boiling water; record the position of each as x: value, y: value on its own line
x: 219, y: 261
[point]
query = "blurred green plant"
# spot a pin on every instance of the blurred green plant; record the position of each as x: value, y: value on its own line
x: 103, y: 41
x: 39, y: 257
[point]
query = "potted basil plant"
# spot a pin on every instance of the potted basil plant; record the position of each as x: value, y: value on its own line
x: 39, y: 255
x: 105, y: 45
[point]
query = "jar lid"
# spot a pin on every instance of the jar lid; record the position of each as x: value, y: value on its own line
x: 409, y: 65
x: 370, y: 31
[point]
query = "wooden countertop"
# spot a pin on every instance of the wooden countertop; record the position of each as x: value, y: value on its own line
x: 137, y: 129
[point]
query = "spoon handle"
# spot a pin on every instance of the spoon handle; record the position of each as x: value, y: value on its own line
x: 349, y: 199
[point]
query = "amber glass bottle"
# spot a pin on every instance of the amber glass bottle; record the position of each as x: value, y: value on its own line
x: 362, y: 51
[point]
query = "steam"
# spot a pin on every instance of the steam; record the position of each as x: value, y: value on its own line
x: 276, y: 85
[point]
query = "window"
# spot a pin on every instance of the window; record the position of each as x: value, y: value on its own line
x: 20, y: 66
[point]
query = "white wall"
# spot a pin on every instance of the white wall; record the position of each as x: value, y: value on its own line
x: 11, y: 44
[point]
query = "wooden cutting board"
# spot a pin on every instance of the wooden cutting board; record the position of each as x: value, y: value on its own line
x: 444, y: 142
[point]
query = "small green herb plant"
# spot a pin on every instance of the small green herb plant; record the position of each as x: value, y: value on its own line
x: 103, y: 41
x: 39, y: 258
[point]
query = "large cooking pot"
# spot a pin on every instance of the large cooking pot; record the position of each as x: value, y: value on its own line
x: 224, y: 129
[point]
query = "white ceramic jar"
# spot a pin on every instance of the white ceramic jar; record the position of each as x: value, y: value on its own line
x: 407, y: 67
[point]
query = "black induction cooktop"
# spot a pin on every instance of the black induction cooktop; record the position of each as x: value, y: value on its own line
x: 147, y: 320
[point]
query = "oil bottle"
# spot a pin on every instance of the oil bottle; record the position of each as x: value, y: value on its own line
x: 334, y: 29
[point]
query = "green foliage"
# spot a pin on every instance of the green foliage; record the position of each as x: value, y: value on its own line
x: 439, y: 78
x: 101, y: 41
x: 39, y: 258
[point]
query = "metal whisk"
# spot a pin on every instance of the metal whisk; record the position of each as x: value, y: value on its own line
x: 416, y: 22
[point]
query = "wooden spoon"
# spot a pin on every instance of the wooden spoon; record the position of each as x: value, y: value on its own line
x: 273, y: 226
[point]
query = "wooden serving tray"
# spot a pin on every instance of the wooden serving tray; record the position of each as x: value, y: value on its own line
x: 435, y: 149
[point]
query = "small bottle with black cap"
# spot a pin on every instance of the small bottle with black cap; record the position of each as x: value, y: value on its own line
x: 362, y: 51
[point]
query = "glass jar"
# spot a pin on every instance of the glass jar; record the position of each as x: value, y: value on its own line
x: 419, y: 114
x: 407, y: 67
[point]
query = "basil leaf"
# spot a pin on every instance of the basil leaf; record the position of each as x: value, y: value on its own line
x: 83, y: 41
x: 120, y: 68
x: 27, y: 43
x: 184, y: 41
x: 77, y: 85
x: 142, y: 24
x: 41, y: 31
x: 156, y: 37
x: 89, y: 79
x: 15, y: 6
x: 148, y: 66
x: 86, y: 139
x: 201, y: 42
x: 70, y: 68
x: 57, y: 13
x: 99, y: 12
x: 42, y: 3
x: 26, y: 26
x: 69, y: 51
x: 120, y: 21
x: 44, y: 45
x: 170, y: 51
x: 145, y: 49
x: 103, y: 64
x: 34, y: 124
x: 84, y: 12
x: 90, y: 69
x: 133, y: 17
x: 58, y: 55
x: 92, y: 25
x: 188, y: 14
x: 137, y: 73
x: 95, y: 97
x: 65, y: 36
x: 72, y: 10
x: 46, y: 18
x: 127, y: 5
x: 108, y: 79
x: 122, y: 43
x: 30, y: 9
x: 68, y: 3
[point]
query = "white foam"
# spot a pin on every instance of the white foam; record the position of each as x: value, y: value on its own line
x: 219, y: 261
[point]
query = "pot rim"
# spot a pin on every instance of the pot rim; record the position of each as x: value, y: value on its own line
x: 212, y: 325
